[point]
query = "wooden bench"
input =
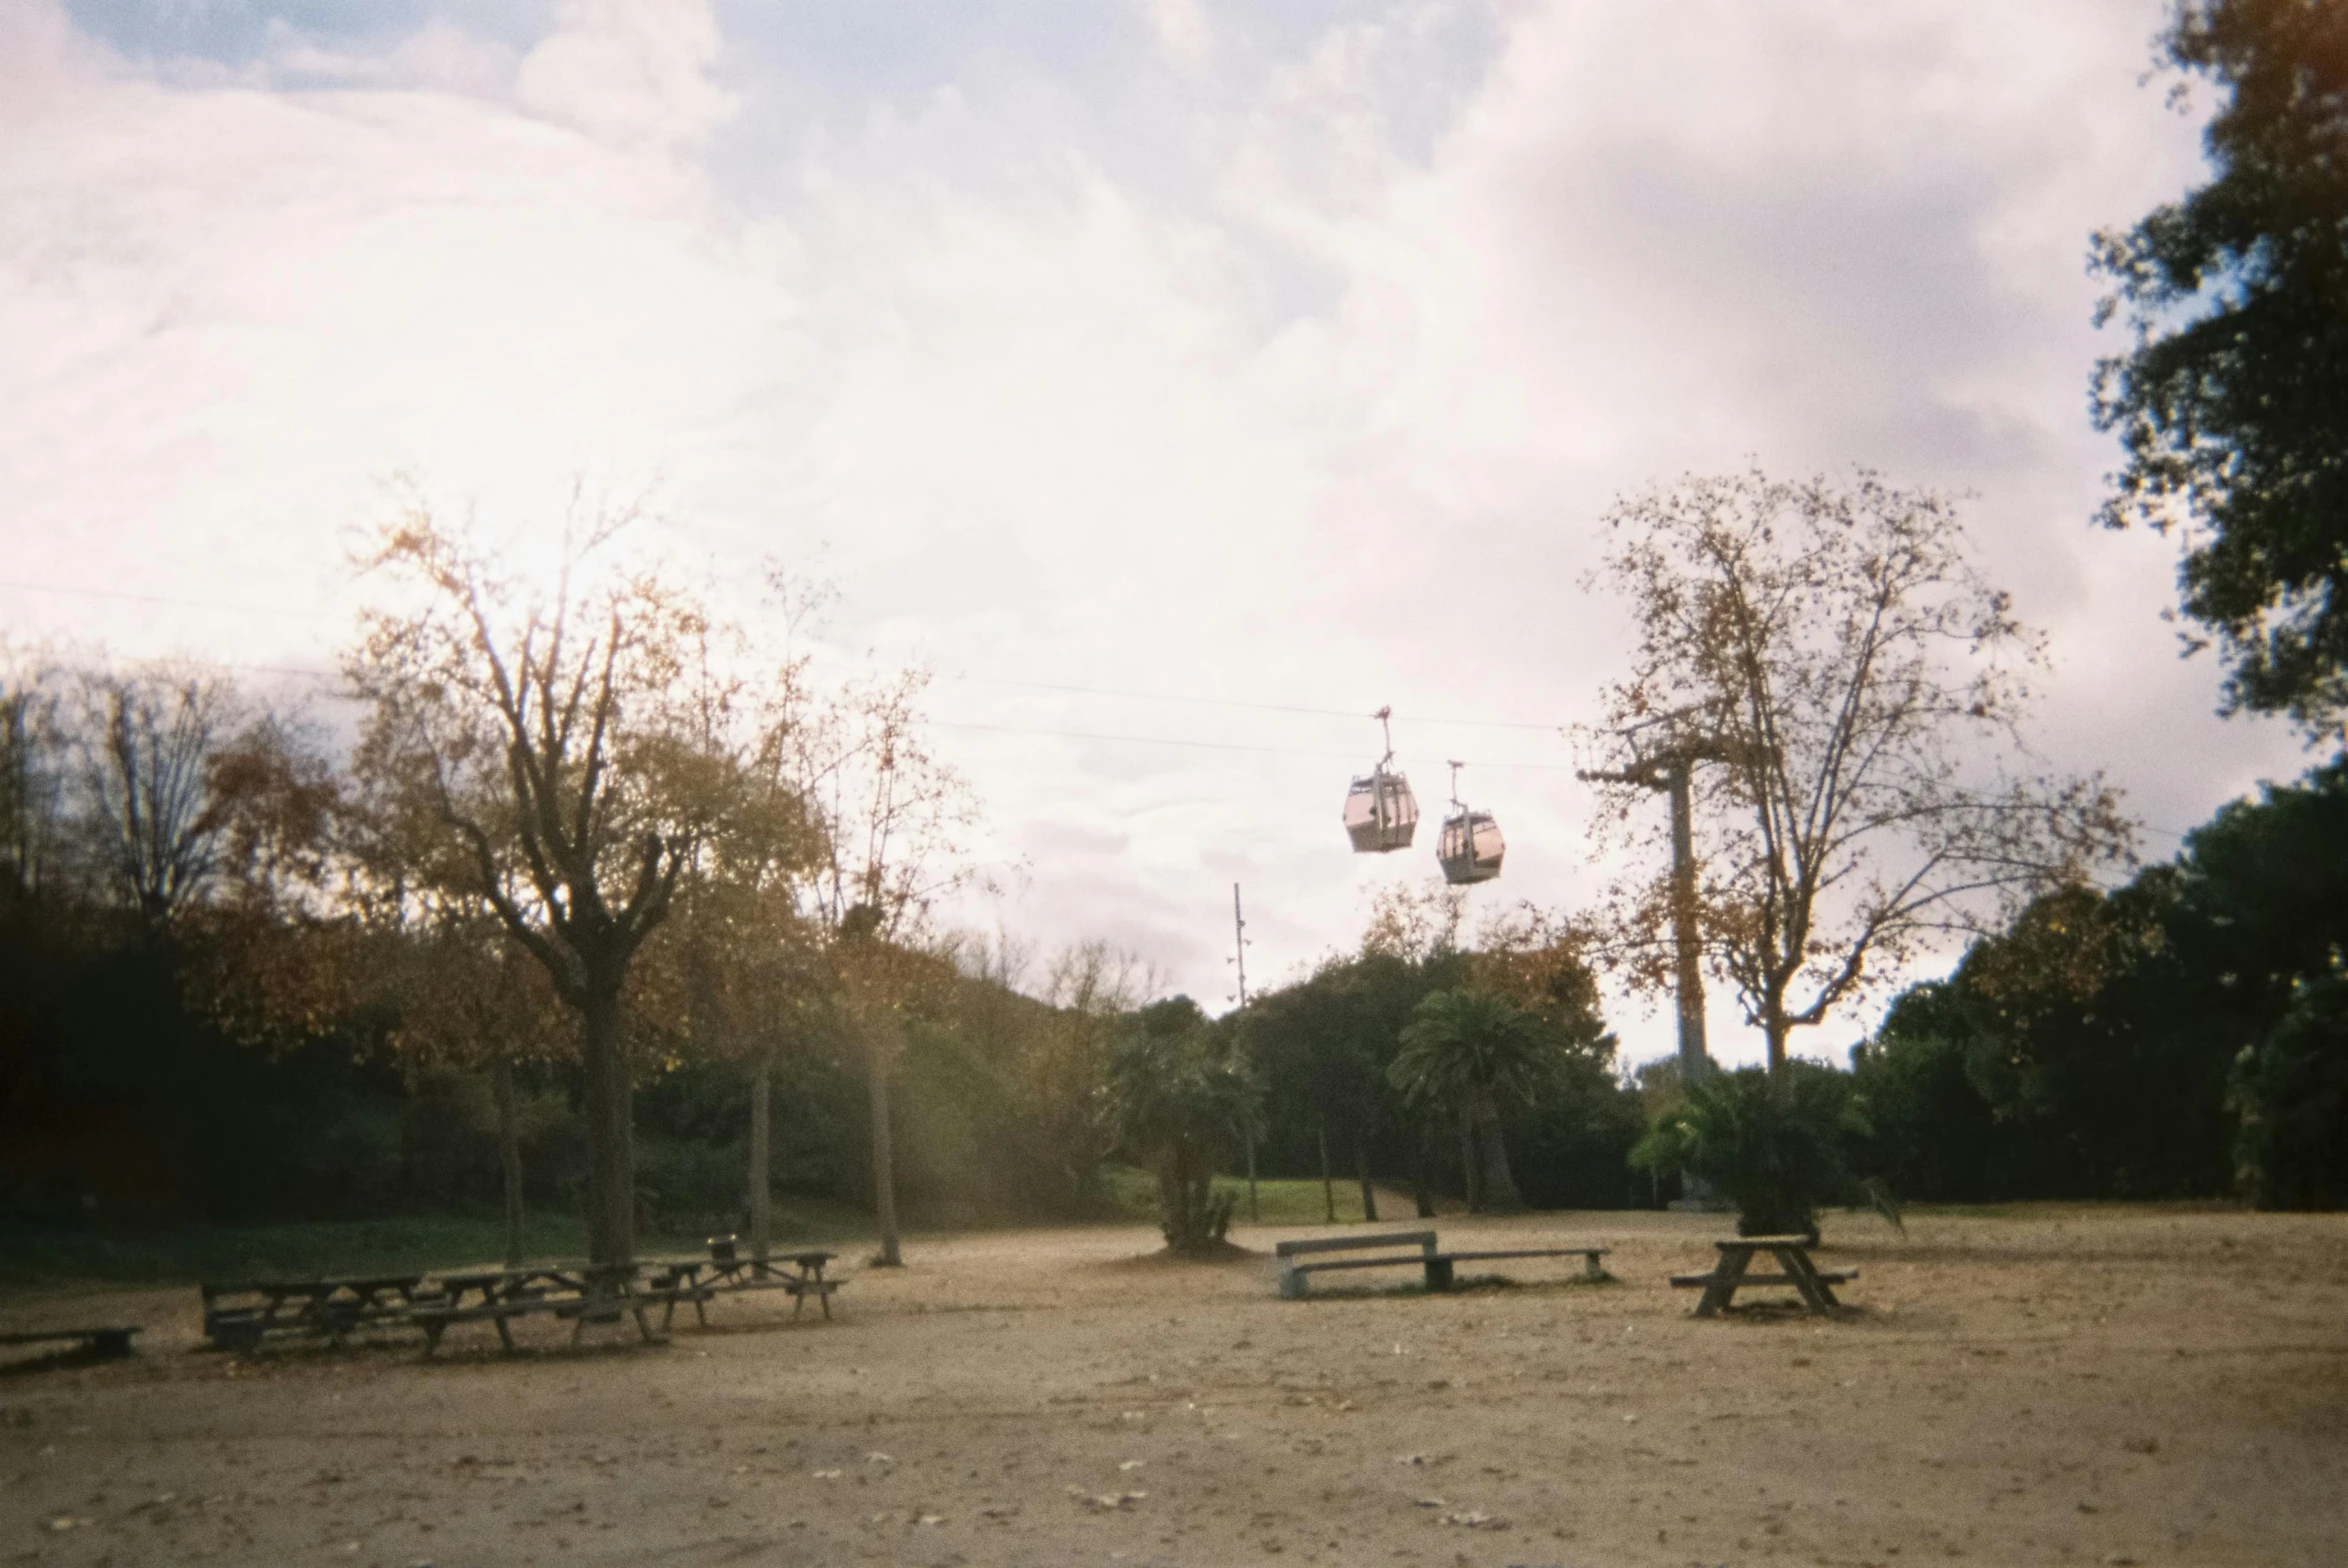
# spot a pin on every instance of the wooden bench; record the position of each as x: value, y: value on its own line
x: 1733, y: 1274
x: 98, y: 1341
x: 1407, y: 1247
x: 803, y: 1288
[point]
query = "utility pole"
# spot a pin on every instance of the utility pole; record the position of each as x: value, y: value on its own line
x: 1239, y: 959
x: 1670, y: 773
x: 1671, y: 770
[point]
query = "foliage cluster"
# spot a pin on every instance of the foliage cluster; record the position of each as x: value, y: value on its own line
x: 2179, y: 1036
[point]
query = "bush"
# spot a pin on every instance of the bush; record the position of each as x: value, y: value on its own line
x: 1773, y: 1145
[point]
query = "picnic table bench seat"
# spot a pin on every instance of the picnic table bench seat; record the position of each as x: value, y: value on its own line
x: 1419, y: 1247
x: 113, y: 1341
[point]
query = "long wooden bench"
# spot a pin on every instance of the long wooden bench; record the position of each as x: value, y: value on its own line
x: 1407, y: 1247
x: 98, y: 1341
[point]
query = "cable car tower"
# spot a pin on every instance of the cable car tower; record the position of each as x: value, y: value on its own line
x: 1381, y: 812
x: 1470, y: 847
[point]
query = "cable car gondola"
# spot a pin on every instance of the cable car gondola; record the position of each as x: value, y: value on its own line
x: 1381, y: 812
x: 1471, y: 846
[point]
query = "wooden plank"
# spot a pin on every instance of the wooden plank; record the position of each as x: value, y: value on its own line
x: 113, y: 1341
x: 1424, y: 1239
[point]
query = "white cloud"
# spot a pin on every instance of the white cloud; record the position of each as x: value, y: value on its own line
x: 1181, y: 30
x: 1325, y: 421
x: 630, y: 72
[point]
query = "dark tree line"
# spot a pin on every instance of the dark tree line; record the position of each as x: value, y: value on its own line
x: 2183, y: 1036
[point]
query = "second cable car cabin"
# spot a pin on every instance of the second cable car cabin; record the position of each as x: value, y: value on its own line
x: 1470, y: 847
x: 1381, y: 814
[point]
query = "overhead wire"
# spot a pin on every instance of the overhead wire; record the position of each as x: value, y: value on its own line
x: 1226, y: 701
x: 1213, y: 746
x: 1002, y: 680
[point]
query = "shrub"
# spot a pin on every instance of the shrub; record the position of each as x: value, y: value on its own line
x: 1772, y: 1144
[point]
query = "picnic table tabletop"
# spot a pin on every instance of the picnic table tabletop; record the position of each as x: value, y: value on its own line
x: 362, y: 1286
x: 505, y: 1285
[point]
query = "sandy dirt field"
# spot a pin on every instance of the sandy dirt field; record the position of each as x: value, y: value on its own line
x: 2048, y: 1385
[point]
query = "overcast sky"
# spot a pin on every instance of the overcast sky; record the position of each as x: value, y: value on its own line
x: 1224, y: 353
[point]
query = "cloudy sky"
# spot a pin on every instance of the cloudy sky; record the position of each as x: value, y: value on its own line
x: 1127, y: 362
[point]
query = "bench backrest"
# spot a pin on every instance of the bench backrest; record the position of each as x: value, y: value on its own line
x: 1423, y: 1240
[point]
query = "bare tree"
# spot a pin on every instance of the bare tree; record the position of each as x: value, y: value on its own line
x: 561, y: 748
x: 33, y: 779
x: 893, y: 820
x: 146, y: 737
x: 1856, y: 689
x: 1092, y: 988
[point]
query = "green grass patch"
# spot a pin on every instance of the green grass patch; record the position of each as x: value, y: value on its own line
x: 39, y: 1252
x: 1133, y: 1193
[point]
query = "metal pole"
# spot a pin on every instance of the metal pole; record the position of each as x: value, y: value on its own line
x: 1239, y: 951
x: 1694, y: 1062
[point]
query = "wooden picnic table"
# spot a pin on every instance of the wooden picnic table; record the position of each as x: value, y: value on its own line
x: 726, y: 1268
x: 1733, y: 1273
x: 332, y: 1307
x: 583, y: 1292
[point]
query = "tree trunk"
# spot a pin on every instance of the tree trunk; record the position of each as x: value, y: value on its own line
x: 1470, y: 1167
x: 1422, y: 1190
x: 501, y: 1088
x: 879, y: 1042
x: 611, y: 1132
x: 1254, y: 1216
x: 1774, y: 1030
x: 1328, y: 1188
x: 1172, y: 1184
x: 1361, y: 1172
x: 762, y: 1162
x: 1499, y: 1186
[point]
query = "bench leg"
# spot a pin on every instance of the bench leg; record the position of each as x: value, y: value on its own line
x: 701, y: 1312
x: 827, y: 1298
x: 1725, y: 1276
x: 1804, y: 1274
x: 432, y: 1333
x: 1591, y: 1269
x: 1439, y: 1273
x: 644, y: 1325
x: 1291, y: 1283
x: 505, y: 1331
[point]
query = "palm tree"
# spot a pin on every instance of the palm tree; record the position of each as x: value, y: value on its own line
x: 1466, y: 1052
x: 1180, y: 1097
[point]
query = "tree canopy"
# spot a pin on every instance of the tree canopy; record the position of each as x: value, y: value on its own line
x: 1853, y: 688
x: 2232, y: 400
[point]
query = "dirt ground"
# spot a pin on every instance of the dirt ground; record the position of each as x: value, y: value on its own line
x: 2043, y: 1385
